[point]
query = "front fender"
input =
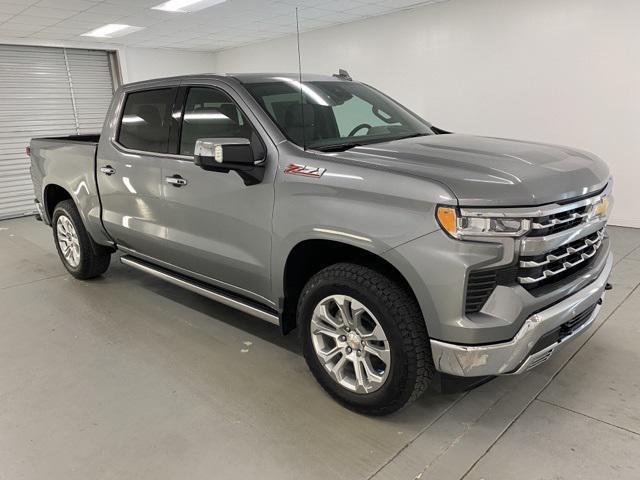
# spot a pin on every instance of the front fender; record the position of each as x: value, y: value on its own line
x: 370, y: 209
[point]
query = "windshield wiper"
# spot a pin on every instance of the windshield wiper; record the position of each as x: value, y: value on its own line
x: 339, y: 147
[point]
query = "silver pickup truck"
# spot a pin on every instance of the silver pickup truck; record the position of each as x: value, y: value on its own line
x: 403, y: 254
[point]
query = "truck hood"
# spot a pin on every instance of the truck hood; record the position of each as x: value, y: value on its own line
x: 483, y: 171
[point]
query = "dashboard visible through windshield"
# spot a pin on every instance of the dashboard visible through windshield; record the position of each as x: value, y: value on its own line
x: 334, y: 115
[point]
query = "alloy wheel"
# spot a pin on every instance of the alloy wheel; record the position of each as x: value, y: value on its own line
x: 350, y: 343
x: 68, y: 241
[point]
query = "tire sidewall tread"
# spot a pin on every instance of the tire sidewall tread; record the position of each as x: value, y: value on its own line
x: 401, y: 318
x: 91, y: 264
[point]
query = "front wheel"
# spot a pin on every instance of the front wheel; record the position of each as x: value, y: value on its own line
x: 364, y: 339
x: 80, y: 255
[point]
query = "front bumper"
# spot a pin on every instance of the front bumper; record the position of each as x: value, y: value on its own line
x: 515, y: 356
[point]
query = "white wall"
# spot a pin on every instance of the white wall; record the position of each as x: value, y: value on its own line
x: 559, y: 71
x: 145, y: 63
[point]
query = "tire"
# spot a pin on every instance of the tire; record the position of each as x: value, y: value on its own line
x: 83, y: 258
x: 371, y: 299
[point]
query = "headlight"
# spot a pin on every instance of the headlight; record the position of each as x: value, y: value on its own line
x: 459, y: 226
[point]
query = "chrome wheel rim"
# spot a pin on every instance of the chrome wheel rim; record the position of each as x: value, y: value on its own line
x: 68, y: 240
x: 350, y: 344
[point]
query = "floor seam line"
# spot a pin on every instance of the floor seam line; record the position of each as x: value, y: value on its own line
x: 459, y: 437
x: 631, y: 259
x: 410, y: 442
x: 8, y: 287
x: 588, y: 416
x: 551, y: 379
x: 597, y: 329
x: 624, y: 257
x: 507, y: 427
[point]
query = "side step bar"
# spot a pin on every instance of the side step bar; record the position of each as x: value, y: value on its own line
x: 203, y: 289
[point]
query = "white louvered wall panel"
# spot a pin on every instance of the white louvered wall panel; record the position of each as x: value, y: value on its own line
x: 37, y: 100
x: 92, y: 87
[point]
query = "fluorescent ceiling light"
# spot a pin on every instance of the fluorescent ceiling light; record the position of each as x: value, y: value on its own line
x: 186, y: 5
x: 112, y: 30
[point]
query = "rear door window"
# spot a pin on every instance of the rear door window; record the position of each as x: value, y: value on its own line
x: 146, y: 120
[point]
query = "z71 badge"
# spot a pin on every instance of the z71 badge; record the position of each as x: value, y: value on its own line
x: 304, y: 170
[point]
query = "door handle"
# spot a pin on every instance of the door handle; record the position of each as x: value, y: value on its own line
x: 108, y: 170
x: 176, y: 181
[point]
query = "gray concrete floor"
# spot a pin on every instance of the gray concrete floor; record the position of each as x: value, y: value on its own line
x: 126, y: 377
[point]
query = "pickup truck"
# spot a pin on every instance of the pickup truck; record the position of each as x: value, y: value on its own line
x: 402, y: 254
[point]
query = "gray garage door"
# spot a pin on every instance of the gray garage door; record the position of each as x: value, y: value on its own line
x: 45, y: 92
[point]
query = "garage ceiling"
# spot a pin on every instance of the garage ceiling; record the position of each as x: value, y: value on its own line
x: 227, y: 24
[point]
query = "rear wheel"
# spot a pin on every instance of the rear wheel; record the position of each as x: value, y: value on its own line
x: 364, y: 339
x: 80, y: 255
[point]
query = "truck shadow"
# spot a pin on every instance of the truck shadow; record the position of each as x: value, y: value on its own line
x: 212, y: 311
x: 218, y: 312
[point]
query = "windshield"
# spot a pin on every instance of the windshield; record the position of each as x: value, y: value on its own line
x: 335, y: 115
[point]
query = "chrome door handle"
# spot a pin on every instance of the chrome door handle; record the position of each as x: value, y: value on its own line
x: 176, y: 181
x: 108, y: 170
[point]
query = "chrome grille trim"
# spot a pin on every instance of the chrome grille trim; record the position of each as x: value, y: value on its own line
x: 565, y: 265
x: 555, y: 221
x: 561, y: 239
x: 569, y: 251
x: 532, y: 246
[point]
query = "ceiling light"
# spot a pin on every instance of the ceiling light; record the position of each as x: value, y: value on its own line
x: 186, y: 5
x: 112, y: 30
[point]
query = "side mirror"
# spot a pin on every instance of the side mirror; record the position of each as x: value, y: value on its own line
x: 224, y: 154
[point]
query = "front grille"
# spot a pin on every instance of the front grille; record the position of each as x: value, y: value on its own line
x: 543, y: 263
x: 563, y: 330
x: 539, y: 270
x: 558, y: 222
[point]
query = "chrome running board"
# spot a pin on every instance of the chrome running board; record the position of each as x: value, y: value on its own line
x: 201, y: 289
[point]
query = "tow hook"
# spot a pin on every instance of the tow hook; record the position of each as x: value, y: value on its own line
x: 608, y: 286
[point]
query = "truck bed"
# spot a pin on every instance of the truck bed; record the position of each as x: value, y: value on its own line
x: 59, y: 156
x: 69, y: 163
x: 86, y: 138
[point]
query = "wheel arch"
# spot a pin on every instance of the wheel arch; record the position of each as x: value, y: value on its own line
x: 310, y: 256
x: 52, y: 195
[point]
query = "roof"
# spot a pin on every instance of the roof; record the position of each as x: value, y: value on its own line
x: 245, y: 78
x: 276, y: 77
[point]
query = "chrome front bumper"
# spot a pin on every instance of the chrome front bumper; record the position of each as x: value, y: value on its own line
x: 513, y: 357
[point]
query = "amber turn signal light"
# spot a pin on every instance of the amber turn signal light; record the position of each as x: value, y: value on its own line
x: 448, y: 218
